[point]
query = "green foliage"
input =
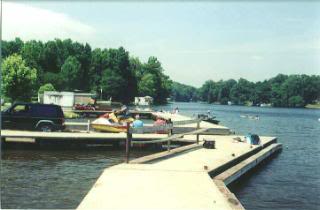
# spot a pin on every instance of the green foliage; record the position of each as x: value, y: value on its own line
x: 71, y: 73
x: 184, y: 93
x: 151, y: 80
x: 296, y: 101
x: 55, y: 79
x: 11, y: 47
x: 280, y: 91
x: 46, y: 87
x: 18, y: 80
x: 111, y: 84
x: 147, y: 85
x: 70, y: 65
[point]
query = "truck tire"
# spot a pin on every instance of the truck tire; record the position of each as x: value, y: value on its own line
x: 45, y: 127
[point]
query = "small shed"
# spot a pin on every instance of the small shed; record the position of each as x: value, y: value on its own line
x: 143, y: 101
x: 64, y: 99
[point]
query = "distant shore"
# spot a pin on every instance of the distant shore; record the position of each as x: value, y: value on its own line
x: 313, y: 106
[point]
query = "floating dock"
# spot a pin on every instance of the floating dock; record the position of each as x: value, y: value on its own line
x: 88, y: 136
x: 190, y: 177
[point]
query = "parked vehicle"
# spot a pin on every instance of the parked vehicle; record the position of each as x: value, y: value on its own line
x: 29, y: 116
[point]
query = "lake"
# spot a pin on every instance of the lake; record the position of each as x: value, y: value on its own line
x: 60, y: 179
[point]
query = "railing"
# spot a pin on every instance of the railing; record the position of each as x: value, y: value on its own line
x: 167, y: 128
x: 87, y: 124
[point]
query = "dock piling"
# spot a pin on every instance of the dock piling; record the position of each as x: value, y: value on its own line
x: 88, y: 126
x: 198, y: 127
x: 170, y: 134
x: 128, y: 142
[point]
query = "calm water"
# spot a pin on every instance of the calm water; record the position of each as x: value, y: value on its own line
x: 60, y: 179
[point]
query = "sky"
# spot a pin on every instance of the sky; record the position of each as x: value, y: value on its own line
x: 194, y: 41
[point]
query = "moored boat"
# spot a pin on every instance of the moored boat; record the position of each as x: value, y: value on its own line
x: 106, y: 125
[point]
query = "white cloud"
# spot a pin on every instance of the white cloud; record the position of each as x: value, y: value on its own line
x: 26, y: 22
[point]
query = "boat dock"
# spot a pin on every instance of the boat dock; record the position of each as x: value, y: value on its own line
x: 189, y: 177
x: 181, y: 124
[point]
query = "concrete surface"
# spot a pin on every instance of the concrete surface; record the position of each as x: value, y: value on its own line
x: 179, y: 182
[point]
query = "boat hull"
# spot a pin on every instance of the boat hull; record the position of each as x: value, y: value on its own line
x: 109, y: 128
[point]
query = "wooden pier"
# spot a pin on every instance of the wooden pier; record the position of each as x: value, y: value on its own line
x: 191, y: 177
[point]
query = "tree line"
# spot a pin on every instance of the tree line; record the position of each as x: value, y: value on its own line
x: 279, y: 91
x: 66, y: 65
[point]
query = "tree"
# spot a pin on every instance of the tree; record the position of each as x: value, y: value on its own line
x: 46, y: 87
x: 55, y: 79
x: 51, y: 61
x: 311, y: 88
x: 32, y: 53
x: 182, y: 92
x: 241, y: 92
x: 147, y: 85
x: 206, y: 93
x: 18, y: 80
x: 162, y: 83
x: 71, y: 73
x: 112, y: 85
x: 98, y: 64
x: 11, y: 47
x: 296, y: 101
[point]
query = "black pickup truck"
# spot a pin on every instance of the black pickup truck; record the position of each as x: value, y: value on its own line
x: 29, y: 116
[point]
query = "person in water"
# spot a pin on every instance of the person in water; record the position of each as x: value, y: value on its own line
x: 137, y: 123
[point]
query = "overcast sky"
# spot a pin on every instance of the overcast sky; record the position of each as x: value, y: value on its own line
x: 195, y: 41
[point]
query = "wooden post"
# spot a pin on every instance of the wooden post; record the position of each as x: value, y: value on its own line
x: 198, y: 126
x: 128, y: 142
x: 88, y: 126
x: 170, y: 134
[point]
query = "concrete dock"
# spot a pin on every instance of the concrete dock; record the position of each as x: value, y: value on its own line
x: 189, y: 179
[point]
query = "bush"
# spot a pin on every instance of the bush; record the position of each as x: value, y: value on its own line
x: 46, y: 87
x: 296, y: 101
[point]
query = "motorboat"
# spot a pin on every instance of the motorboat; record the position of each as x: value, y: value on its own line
x: 208, y: 118
x: 108, y: 125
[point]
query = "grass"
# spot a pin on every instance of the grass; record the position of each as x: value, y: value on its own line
x: 70, y: 115
x: 313, y: 106
x: 3, y: 107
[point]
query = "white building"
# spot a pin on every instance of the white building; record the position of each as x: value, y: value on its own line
x: 143, y: 101
x: 65, y: 99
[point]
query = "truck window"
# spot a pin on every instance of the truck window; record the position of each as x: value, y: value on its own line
x: 21, y: 109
